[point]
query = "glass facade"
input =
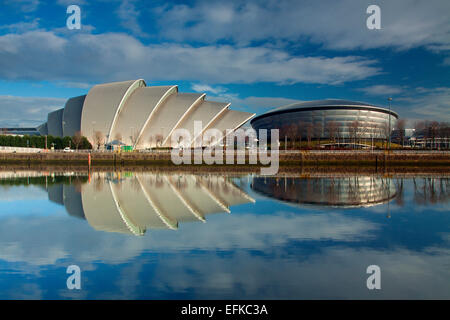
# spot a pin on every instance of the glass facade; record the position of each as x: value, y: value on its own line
x: 329, y: 122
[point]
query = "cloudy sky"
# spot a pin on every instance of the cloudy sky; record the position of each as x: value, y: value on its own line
x: 256, y: 54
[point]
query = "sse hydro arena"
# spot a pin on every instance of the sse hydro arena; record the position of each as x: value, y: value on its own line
x: 139, y: 116
x: 324, y: 119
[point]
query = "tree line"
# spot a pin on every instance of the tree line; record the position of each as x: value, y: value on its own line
x: 433, y: 134
x: 77, y: 142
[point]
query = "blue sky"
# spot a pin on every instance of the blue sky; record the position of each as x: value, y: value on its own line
x: 255, y: 54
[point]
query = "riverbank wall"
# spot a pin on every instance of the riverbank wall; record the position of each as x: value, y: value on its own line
x: 289, y: 158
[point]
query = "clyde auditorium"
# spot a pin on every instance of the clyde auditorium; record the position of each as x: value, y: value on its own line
x: 319, y: 115
x: 139, y: 116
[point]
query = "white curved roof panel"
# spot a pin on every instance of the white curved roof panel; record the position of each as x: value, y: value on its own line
x: 206, y: 112
x: 166, y: 117
x: 103, y: 104
x: 137, y: 110
x: 231, y: 120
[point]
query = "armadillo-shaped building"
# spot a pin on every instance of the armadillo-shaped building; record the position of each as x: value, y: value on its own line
x: 140, y: 116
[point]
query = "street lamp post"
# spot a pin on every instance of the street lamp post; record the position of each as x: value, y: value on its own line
x: 389, y: 146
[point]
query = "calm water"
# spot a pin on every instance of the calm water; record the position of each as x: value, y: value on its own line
x: 172, y: 236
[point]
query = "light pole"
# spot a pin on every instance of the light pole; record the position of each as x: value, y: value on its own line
x: 132, y: 136
x: 389, y: 146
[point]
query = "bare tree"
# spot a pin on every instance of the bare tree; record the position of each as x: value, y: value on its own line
x: 309, y: 132
x: 419, y: 126
x: 384, y: 132
x: 159, y: 140
x: 419, y: 130
x: 301, y: 131
x: 401, y: 131
x: 77, y: 139
x: 99, y: 139
x: 134, y: 137
x: 284, y: 132
x: 433, y: 132
x: 332, y: 130
x: 354, y: 131
x: 364, y: 132
x: 292, y: 133
x: 444, y: 134
x: 118, y: 137
x: 318, y: 130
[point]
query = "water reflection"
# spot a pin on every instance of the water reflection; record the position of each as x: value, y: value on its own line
x: 431, y: 190
x: 133, y: 203
x: 353, y: 191
x: 266, y: 250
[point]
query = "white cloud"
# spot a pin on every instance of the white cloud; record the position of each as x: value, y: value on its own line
x: 26, y: 111
x: 267, y: 102
x: 218, y: 93
x: 107, y: 57
x: 22, y: 26
x: 128, y: 15
x: 430, y: 104
x: 207, y: 88
x: 71, y: 84
x: 334, y: 24
x: 224, y: 232
x: 22, y: 193
x: 26, y: 6
x: 66, y: 3
x: 255, y: 104
x: 330, y: 273
x: 381, y: 90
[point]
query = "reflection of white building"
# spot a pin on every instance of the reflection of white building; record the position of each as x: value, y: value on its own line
x: 354, y: 191
x: 138, y: 115
x: 146, y: 200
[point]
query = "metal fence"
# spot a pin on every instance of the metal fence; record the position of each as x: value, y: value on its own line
x: 20, y: 150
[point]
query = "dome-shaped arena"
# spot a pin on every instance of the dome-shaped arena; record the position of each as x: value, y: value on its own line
x: 325, y: 119
x: 139, y: 116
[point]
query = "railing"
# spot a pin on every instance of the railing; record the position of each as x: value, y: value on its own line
x: 20, y: 150
x: 280, y: 151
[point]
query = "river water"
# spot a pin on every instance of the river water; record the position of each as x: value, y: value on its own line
x: 166, y: 235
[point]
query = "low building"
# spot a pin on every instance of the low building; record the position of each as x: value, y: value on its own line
x: 19, y: 131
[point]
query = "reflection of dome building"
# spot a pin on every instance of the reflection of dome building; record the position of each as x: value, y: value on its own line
x: 156, y: 201
x: 356, y: 191
x: 328, y: 118
x: 138, y: 115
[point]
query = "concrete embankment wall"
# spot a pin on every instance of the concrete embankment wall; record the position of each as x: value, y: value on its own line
x: 285, y: 158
